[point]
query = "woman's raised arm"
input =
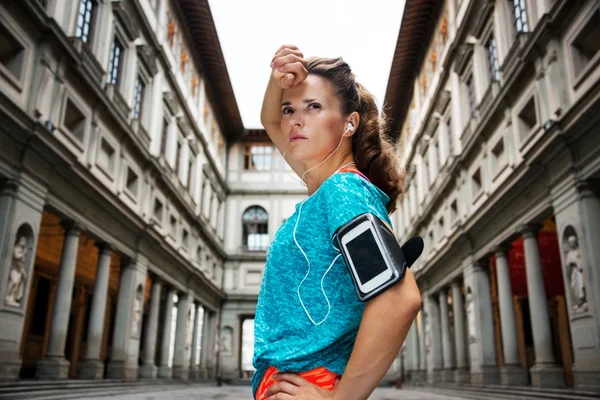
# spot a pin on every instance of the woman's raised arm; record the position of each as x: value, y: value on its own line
x: 293, y: 71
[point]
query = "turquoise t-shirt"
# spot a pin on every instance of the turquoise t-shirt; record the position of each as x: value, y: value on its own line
x: 284, y: 335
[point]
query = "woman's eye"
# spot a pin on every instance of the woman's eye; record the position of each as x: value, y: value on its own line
x: 313, y: 106
x: 287, y: 110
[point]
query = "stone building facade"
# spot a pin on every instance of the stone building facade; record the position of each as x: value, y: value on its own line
x: 496, y: 114
x: 115, y: 118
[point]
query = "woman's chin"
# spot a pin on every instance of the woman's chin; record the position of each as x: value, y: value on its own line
x: 294, y: 153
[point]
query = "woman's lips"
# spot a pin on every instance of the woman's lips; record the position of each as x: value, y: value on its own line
x: 297, y: 138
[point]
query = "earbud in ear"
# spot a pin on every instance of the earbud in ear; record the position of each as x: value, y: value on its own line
x: 350, y: 127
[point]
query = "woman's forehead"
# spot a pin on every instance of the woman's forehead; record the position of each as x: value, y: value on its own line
x: 313, y: 87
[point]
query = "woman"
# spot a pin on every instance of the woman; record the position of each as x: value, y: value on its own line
x: 309, y: 322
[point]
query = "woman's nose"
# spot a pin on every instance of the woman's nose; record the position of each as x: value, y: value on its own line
x: 295, y: 122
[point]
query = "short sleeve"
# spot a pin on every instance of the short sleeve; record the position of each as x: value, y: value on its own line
x: 348, y: 195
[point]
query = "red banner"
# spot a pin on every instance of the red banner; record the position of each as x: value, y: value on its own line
x: 550, y: 258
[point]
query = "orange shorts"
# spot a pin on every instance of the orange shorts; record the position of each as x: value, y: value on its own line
x: 318, y: 376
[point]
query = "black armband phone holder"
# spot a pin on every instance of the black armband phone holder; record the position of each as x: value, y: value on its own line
x: 372, y: 254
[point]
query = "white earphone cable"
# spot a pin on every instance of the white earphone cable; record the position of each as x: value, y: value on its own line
x: 298, y: 244
x: 308, y: 262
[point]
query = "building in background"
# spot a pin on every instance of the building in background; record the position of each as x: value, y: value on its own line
x: 495, y: 104
x: 116, y: 118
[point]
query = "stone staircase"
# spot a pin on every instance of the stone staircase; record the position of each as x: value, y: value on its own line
x: 77, y: 388
x: 492, y: 392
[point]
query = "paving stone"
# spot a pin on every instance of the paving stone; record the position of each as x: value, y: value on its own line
x: 243, y: 393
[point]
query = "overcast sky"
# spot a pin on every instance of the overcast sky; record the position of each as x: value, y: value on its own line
x: 363, y: 32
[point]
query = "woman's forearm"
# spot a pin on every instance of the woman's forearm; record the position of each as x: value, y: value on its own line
x: 270, y: 114
x: 383, y: 328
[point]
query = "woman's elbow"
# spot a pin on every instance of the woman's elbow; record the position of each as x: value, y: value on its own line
x: 414, y: 302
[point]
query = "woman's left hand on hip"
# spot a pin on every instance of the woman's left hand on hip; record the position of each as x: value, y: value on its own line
x: 293, y: 387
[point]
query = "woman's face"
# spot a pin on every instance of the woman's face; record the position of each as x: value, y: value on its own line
x: 312, y: 122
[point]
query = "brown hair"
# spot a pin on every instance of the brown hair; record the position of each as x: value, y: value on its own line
x: 372, y: 149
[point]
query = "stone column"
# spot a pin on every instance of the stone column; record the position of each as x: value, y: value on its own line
x: 148, y: 369
x: 194, y: 368
x: 181, y: 361
x: 434, y: 344
x: 92, y: 367
x: 422, y: 349
x: 482, y: 348
x: 413, y: 351
x: 164, y: 370
x: 461, y: 374
x: 448, y: 356
x: 545, y: 372
x: 126, y: 336
x: 511, y: 373
x: 213, y: 344
x: 204, y: 349
x: 55, y: 365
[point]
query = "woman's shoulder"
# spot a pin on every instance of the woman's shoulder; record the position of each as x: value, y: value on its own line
x: 351, y: 183
x: 343, y: 181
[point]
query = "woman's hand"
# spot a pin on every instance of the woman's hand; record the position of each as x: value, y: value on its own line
x: 294, y: 387
x: 289, y: 67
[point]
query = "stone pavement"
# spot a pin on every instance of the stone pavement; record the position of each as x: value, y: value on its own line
x: 243, y: 393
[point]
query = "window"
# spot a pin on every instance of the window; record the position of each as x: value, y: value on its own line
x: 453, y: 211
x: 476, y: 183
x: 184, y: 239
x: 527, y: 118
x: 85, y: 20
x: 114, y: 65
x: 164, y: 137
x: 173, y: 222
x: 257, y: 157
x: 255, y: 221
x: 138, y: 101
x: 586, y: 45
x: 158, y: 210
x: 177, y: 158
x: 12, y: 53
x: 190, y: 173
x: 132, y: 182
x: 492, y: 58
x: 199, y: 254
x: 74, y: 121
x: 106, y: 156
x: 449, y: 135
x: 498, y: 156
x: 470, y: 85
x: 520, y: 15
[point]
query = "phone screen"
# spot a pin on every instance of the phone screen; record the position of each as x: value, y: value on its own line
x: 366, y: 256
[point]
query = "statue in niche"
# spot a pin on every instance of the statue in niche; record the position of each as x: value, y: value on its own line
x: 17, y: 274
x: 575, y: 265
x: 137, y: 315
x: 470, y: 300
x: 227, y: 341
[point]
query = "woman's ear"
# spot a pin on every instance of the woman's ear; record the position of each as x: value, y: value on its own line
x: 353, y: 121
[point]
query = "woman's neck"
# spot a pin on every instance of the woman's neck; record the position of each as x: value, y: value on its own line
x: 315, y: 178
